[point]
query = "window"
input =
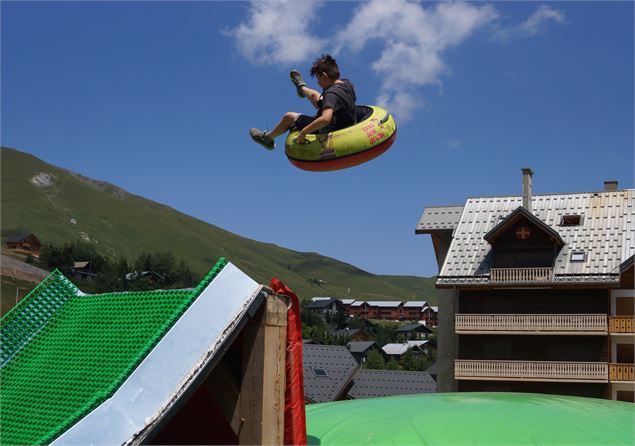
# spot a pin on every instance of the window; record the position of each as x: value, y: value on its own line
x: 578, y: 256
x: 319, y: 372
x: 571, y: 220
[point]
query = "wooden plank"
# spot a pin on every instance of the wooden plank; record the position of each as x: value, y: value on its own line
x: 263, y: 384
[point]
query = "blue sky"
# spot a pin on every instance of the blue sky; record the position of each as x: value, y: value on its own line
x: 158, y: 97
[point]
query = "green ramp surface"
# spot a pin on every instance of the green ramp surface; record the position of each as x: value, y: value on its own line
x: 64, y: 352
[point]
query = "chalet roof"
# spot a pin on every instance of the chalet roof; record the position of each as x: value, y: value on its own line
x: 377, y: 383
x: 605, y: 235
x: 81, y: 264
x: 345, y: 332
x: 418, y: 343
x: 431, y: 308
x: 415, y: 304
x: 148, y: 348
x: 628, y: 263
x: 21, y: 237
x: 328, y: 370
x: 518, y: 214
x: 396, y: 348
x: 358, y: 303
x: 360, y: 346
x: 384, y: 303
x: 322, y: 303
x: 347, y: 301
x: 437, y: 218
x: 413, y: 327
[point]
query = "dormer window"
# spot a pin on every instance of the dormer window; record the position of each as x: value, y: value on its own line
x: 578, y: 256
x: 571, y: 220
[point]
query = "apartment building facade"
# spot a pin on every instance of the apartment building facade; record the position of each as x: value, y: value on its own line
x: 536, y: 292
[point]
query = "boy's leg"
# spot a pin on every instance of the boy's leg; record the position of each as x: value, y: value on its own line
x: 265, y: 138
x: 286, y: 122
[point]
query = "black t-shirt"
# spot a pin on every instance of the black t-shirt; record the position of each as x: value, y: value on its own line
x: 341, y: 98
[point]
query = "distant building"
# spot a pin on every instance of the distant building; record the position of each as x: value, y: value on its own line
x: 82, y: 270
x: 536, y: 292
x: 24, y: 244
x: 328, y: 372
x: 360, y: 350
x: 331, y: 374
x: 386, y: 310
x: 328, y: 306
x: 411, y: 310
x: 429, y: 316
x: 413, y: 331
x: 359, y: 308
x: 379, y: 383
x: 352, y: 334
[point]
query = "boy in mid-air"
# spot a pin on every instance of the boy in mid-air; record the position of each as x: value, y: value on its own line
x: 335, y: 106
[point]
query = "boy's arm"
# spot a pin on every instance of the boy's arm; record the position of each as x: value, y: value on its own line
x: 322, y: 121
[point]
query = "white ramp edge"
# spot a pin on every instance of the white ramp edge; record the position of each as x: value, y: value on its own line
x: 169, y: 369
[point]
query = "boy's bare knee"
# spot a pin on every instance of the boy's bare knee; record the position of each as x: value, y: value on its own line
x: 290, y: 117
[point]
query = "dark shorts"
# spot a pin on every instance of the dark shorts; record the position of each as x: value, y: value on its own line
x: 304, y: 120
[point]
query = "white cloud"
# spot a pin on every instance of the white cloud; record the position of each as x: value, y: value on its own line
x: 535, y: 23
x: 416, y: 38
x: 277, y: 31
x: 413, y: 39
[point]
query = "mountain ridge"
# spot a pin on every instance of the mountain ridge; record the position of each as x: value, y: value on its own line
x: 62, y: 205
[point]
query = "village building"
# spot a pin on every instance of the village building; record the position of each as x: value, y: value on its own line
x: 411, y: 310
x: 24, y: 244
x: 328, y: 372
x: 331, y: 374
x: 325, y: 307
x: 413, y: 331
x: 380, y: 383
x: 359, y: 308
x: 387, y: 310
x: 429, y: 316
x: 361, y: 350
x: 82, y: 270
x: 536, y: 292
x: 352, y: 334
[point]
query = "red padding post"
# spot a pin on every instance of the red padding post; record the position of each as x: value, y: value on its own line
x: 294, y: 415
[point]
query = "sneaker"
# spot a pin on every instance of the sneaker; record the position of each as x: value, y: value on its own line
x: 262, y: 138
x: 296, y: 78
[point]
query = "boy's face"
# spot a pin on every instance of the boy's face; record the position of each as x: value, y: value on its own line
x: 323, y: 80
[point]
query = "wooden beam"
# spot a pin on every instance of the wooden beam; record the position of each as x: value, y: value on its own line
x: 261, y: 403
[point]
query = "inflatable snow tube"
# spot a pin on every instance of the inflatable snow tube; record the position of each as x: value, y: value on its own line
x: 373, y: 134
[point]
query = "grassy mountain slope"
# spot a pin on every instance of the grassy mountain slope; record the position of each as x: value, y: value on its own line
x: 65, y: 206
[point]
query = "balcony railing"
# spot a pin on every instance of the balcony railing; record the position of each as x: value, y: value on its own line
x: 621, y: 372
x: 531, y: 324
x: 622, y: 324
x: 531, y: 371
x: 521, y: 275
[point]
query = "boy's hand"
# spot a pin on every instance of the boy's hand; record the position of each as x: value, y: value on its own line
x: 301, y: 138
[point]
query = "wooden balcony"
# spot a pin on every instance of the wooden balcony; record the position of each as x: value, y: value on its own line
x: 621, y: 372
x: 521, y: 276
x: 531, y: 324
x: 589, y: 372
x: 622, y: 324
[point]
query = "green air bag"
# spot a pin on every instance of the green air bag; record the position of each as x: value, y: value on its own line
x: 472, y: 419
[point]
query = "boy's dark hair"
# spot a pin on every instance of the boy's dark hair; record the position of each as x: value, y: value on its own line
x: 326, y: 64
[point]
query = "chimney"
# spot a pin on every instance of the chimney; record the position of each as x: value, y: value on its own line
x: 527, y: 182
x: 610, y: 185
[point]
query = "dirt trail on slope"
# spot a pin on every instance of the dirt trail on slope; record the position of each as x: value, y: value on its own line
x: 15, y: 268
